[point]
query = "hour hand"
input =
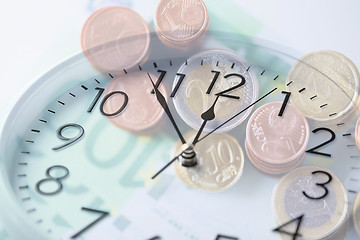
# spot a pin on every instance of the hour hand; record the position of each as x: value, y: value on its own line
x: 161, y: 99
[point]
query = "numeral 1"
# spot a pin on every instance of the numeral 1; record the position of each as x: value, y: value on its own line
x: 286, y: 100
x: 181, y: 78
x: 162, y: 75
x: 96, y: 99
x: 217, y: 73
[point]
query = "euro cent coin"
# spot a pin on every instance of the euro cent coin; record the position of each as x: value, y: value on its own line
x: 220, y: 162
x: 357, y: 133
x: 180, y: 22
x: 142, y: 110
x: 115, y: 38
x: 276, y: 144
x: 324, y: 85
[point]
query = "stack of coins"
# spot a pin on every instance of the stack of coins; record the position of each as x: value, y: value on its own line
x: 208, y: 73
x: 317, y: 195
x: 142, y: 111
x: 115, y: 38
x: 179, y: 23
x: 276, y: 144
x: 325, y: 86
x: 356, y: 214
x: 220, y: 162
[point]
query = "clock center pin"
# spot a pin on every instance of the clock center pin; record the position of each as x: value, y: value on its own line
x: 188, y: 156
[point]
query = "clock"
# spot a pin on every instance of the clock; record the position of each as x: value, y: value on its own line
x: 227, y: 139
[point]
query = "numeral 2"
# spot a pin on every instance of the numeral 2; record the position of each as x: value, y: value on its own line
x: 333, y: 136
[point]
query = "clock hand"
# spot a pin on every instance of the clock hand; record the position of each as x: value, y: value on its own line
x: 189, y: 151
x: 267, y: 94
x: 207, y: 116
x: 168, y: 164
x: 162, y: 101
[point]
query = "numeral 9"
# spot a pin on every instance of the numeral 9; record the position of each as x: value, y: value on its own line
x: 68, y: 140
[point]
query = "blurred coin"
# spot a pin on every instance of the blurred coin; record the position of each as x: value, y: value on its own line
x: 115, y: 38
x: 324, y: 85
x: 356, y: 214
x: 179, y: 23
x: 357, y: 133
x: 276, y: 144
x: 142, y: 110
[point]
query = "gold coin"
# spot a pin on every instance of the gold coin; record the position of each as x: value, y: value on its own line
x: 324, y: 85
x: 220, y: 162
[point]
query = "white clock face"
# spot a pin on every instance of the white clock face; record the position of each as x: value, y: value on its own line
x: 81, y: 150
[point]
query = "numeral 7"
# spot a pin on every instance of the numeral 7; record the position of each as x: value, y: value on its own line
x: 103, y: 215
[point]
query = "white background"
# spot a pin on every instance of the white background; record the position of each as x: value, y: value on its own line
x: 38, y: 34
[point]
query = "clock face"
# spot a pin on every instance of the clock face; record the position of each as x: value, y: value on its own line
x: 226, y: 140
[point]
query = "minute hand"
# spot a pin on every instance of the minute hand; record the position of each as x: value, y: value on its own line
x: 162, y: 101
x: 196, y: 140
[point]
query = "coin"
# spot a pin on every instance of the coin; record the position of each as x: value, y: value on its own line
x: 276, y: 144
x: 220, y: 162
x: 357, y: 133
x: 356, y: 214
x: 142, y: 111
x: 324, y: 85
x: 115, y: 38
x: 323, y: 217
x: 179, y: 23
x: 272, y: 169
x: 228, y: 70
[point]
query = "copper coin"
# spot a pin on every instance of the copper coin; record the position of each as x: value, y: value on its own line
x: 180, y: 22
x: 115, y: 38
x: 142, y: 110
x: 357, y: 133
x: 274, y: 139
